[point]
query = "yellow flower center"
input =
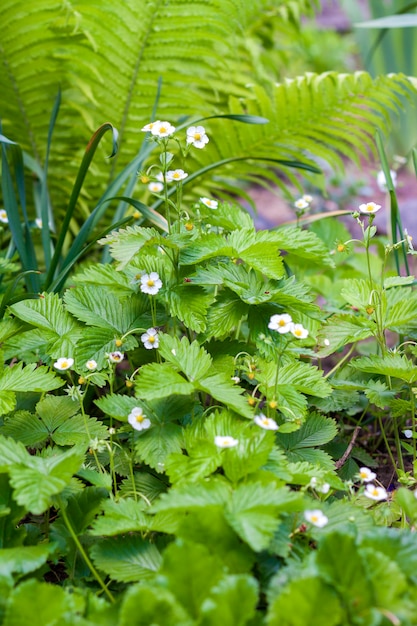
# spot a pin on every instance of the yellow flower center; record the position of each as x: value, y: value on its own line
x: 273, y: 404
x: 281, y: 323
x: 298, y: 332
x: 265, y: 421
x: 197, y: 136
x: 151, y: 339
x: 64, y: 363
x: 314, y: 518
x: 176, y: 175
x: 140, y: 418
x: 150, y: 282
x: 162, y: 129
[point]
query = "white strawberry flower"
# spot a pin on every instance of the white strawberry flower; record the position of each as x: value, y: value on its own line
x: 316, y: 517
x: 162, y: 129
x: 64, y: 363
x: 155, y: 187
x: 225, y: 442
x: 150, y: 126
x: 299, y: 331
x: 174, y: 176
x: 301, y: 203
x: 281, y: 323
x: 138, y: 420
x: 150, y: 283
x: 196, y: 135
x: 366, y: 475
x: 211, y: 204
x: 91, y: 365
x: 3, y: 216
x: 375, y: 493
x: 369, y: 207
x: 265, y: 422
x: 150, y: 339
x: 116, y: 357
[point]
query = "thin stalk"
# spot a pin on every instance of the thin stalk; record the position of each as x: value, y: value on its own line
x: 384, y: 436
x: 83, y: 552
x: 341, y: 362
x: 413, y: 423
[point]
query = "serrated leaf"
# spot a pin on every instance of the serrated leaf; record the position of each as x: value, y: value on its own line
x: 253, y: 511
x: 356, y: 292
x: 127, y: 242
x: 221, y: 388
x: 159, y: 380
x: 207, y: 246
x: 400, y: 316
x: 96, y: 343
x: 12, y: 452
x: 315, y: 458
x: 202, y: 461
x: 121, y: 517
x: 397, y: 281
x: 117, y: 405
x: 188, y: 357
x: 79, y: 430
x: 28, y: 378
x: 316, y: 431
x: 55, y: 410
x: 154, y: 445
x: 391, y: 364
x: 303, y: 377
x: 303, y: 243
x: 143, y: 602
x: 189, y: 303
x: 225, y: 314
x: 232, y: 602
x: 48, y: 602
x: 317, y: 604
x: 251, y: 454
x: 189, y: 497
x: 35, y: 485
x: 378, y: 393
x: 25, y: 427
x: 24, y: 559
x: 127, y: 559
x: 341, y: 330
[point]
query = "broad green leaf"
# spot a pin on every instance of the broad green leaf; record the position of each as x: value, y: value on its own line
x: 388, y: 582
x: 399, y: 547
x: 7, y: 402
x: 55, y: 410
x: 200, y: 462
x: 312, y: 456
x: 96, y: 343
x: 127, y: 242
x: 221, y: 388
x: 225, y: 314
x: 145, y: 603
x: 49, y: 603
x: 28, y: 378
x: 400, y: 316
x: 144, y: 484
x: 25, y: 427
x: 251, y: 454
x: 79, y: 430
x: 356, y: 292
x: 207, y: 246
x: 12, y: 452
x: 303, y: 243
x: 117, y: 405
x: 127, y: 559
x: 24, y: 559
x: 392, y: 364
x: 398, y: 281
x: 187, y: 357
x: 159, y: 380
x: 341, y: 330
x: 189, y: 497
x: 104, y: 275
x: 307, y: 600
x: 232, y: 602
x: 124, y: 516
x: 36, y: 484
x: 378, y: 393
x: 189, y: 303
x: 191, y: 570
x: 254, y: 508
x: 48, y: 314
x: 264, y: 257
x: 155, y: 444
x: 303, y: 377
x: 316, y: 431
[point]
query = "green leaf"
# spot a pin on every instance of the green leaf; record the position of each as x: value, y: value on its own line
x: 356, y: 292
x: 191, y: 570
x: 154, y: 445
x: 341, y: 330
x: 127, y: 242
x: 96, y: 343
x: 35, y: 485
x: 221, y: 388
x: 251, y: 454
x: 24, y: 379
x: 127, y: 559
x: 117, y: 405
x: 302, y: 243
x: 188, y: 357
x: 201, y: 461
x: 23, y: 560
x: 316, y: 431
x: 378, y: 393
x: 25, y: 427
x: 392, y: 364
x: 253, y: 511
x: 55, y: 410
x: 303, y: 377
x: 145, y: 603
x: 316, y: 604
x: 232, y: 602
x: 189, y: 303
x: 124, y: 516
x: 79, y: 430
x: 12, y: 452
x: 50, y: 604
x: 405, y: 20
x: 159, y: 380
x: 225, y: 314
x: 189, y: 497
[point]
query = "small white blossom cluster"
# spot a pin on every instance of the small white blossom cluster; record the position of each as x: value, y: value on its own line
x: 304, y: 202
x: 373, y: 492
x: 283, y: 324
x: 196, y: 135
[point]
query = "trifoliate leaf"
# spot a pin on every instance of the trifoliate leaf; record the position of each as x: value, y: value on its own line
x: 201, y: 461
x: 79, y: 430
x: 127, y: 559
x: 25, y: 427
x: 251, y: 454
x: 55, y: 410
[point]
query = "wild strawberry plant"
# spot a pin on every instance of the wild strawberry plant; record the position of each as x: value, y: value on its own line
x: 169, y: 452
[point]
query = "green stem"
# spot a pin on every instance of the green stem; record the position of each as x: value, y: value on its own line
x: 391, y: 456
x: 83, y: 552
x: 413, y: 423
